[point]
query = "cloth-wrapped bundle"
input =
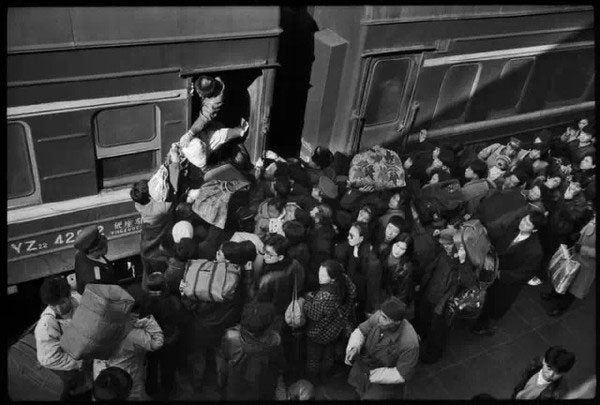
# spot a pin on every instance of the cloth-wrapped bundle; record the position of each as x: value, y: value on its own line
x: 100, y: 322
x: 377, y: 167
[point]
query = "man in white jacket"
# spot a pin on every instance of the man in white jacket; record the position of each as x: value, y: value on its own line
x: 145, y: 335
x: 62, y: 302
x: 383, y: 352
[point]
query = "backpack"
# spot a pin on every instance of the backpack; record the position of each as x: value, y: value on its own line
x: 211, y: 281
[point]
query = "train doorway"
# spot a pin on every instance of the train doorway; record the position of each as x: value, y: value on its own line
x: 244, y: 92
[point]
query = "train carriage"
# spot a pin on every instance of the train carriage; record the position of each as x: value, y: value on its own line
x: 96, y: 96
x: 472, y: 74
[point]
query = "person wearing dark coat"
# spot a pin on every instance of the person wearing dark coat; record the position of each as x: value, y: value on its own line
x: 166, y: 309
x: 91, y: 264
x: 321, y: 241
x: 298, y: 247
x: 448, y: 274
x: 520, y: 254
x: 250, y: 359
x: 206, y: 322
x: 586, y: 171
x: 276, y: 286
x: 280, y: 272
x: 582, y: 148
x: 544, y: 377
x: 398, y: 272
x: 363, y: 267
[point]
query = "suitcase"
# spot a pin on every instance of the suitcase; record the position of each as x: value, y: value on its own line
x: 28, y: 380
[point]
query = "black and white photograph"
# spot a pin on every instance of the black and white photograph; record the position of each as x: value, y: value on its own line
x: 271, y: 202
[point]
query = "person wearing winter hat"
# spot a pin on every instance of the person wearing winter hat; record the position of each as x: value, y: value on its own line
x: 250, y: 360
x: 112, y: 384
x: 91, y: 264
x: 383, y: 352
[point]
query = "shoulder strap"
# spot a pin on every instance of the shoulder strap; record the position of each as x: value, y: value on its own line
x: 212, y: 279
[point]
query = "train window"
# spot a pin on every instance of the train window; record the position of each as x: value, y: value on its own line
x: 386, y: 89
x: 122, y: 126
x: 125, y: 169
x: 22, y: 181
x: 127, y: 143
x: 571, y: 73
x: 456, y: 91
x: 505, y: 94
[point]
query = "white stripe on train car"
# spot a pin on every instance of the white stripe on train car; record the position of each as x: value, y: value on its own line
x: 86, y: 104
x: 505, y: 53
x: 36, y: 212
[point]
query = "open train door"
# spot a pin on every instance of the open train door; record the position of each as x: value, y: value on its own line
x: 386, y: 110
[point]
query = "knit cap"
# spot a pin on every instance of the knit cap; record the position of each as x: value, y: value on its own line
x: 394, y: 309
x: 257, y: 317
x: 328, y: 187
x: 182, y: 229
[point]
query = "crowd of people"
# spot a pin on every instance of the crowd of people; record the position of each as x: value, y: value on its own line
x: 316, y: 272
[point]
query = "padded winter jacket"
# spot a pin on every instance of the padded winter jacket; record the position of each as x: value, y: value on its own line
x: 48, y: 332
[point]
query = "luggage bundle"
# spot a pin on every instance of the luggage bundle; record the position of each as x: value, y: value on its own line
x: 99, y: 324
x: 211, y: 281
x: 377, y: 167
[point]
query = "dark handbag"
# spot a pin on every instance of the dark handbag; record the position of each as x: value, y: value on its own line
x: 468, y: 304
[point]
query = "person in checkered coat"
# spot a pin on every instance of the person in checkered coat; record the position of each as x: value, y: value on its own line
x: 328, y: 314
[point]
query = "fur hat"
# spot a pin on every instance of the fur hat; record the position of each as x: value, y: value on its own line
x: 182, y: 229
x: 88, y: 238
x: 394, y: 309
x: 257, y: 317
x: 328, y: 187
